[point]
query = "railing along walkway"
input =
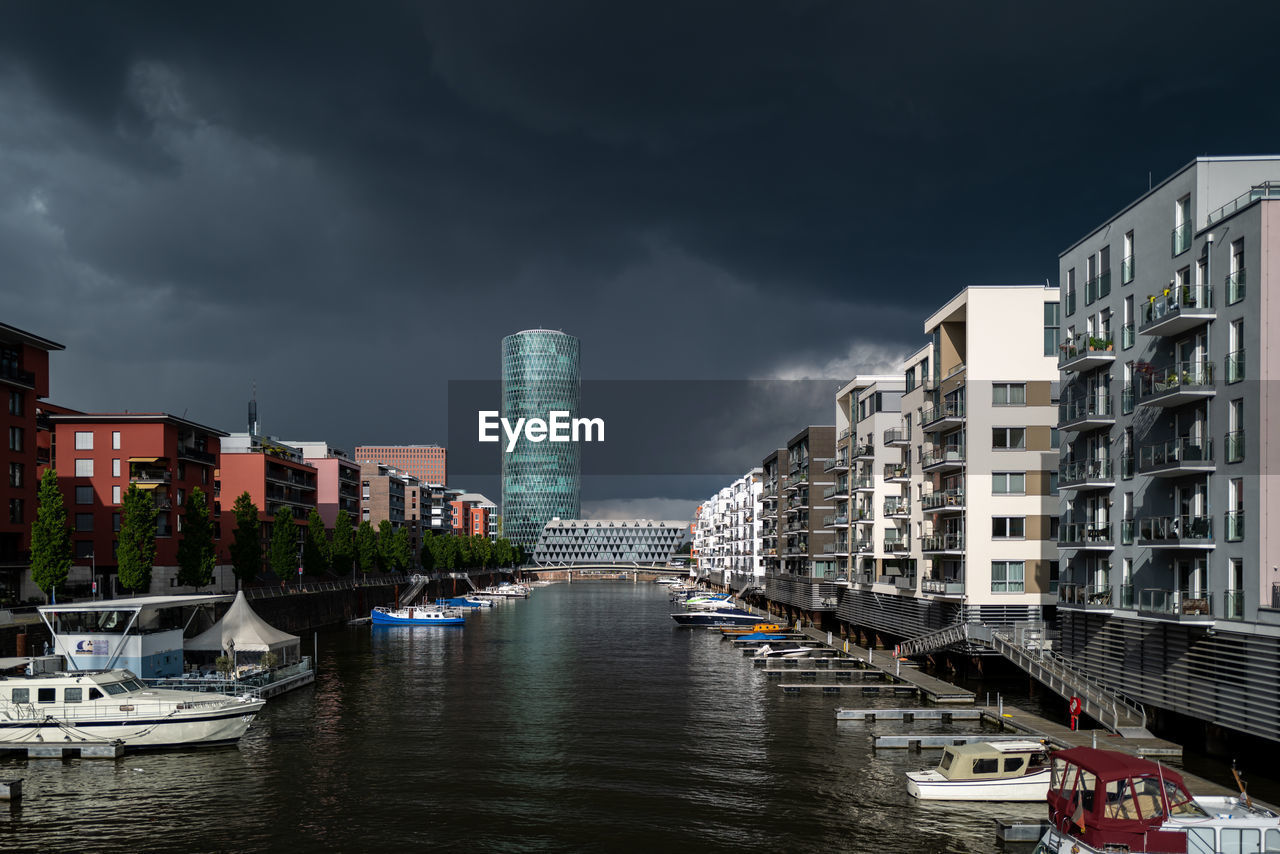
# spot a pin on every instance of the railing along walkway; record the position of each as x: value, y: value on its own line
x: 926, y: 643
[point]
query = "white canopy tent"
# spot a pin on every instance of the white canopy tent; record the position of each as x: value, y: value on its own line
x: 242, y: 631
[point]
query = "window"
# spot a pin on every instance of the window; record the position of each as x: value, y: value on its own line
x: 1236, y: 278
x: 16, y: 511
x: 84, y: 468
x: 115, y: 468
x: 73, y: 695
x: 1069, y: 293
x: 1008, y: 576
x: 84, y: 549
x: 15, y: 403
x: 1182, y: 225
x: 1055, y: 442
x: 1008, y: 527
x: 1126, y: 264
x: 84, y: 494
x: 1009, y: 394
x: 115, y: 522
x: 15, y: 474
x: 1052, y: 320
x: 115, y: 440
x: 115, y: 494
x: 986, y: 766
x: 15, y: 438
x: 1008, y: 438
x: 84, y: 441
x: 21, y: 695
x: 84, y: 521
x: 1009, y: 483
x: 46, y: 695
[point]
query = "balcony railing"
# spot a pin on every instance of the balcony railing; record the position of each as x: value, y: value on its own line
x: 1085, y: 596
x: 1126, y: 270
x: 1127, y: 334
x: 897, y: 471
x: 896, y: 544
x: 948, y: 409
x: 1233, y: 605
x: 834, y: 488
x: 897, y: 507
x: 13, y: 373
x: 1127, y: 527
x: 939, y: 456
x: 1085, y: 352
x: 1178, y: 604
x: 1176, y: 456
x: 1180, y: 239
x: 942, y: 587
x: 866, y: 482
x: 1159, y: 531
x: 897, y: 436
x: 1092, y: 408
x: 1265, y: 190
x: 1126, y: 466
x: 1176, y: 308
x: 863, y: 450
x: 1235, y: 446
x: 942, y: 500
x: 1126, y: 596
x: 863, y: 546
x: 1069, y: 303
x: 1074, y: 472
x: 1126, y: 399
x: 1235, y: 286
x: 1176, y: 383
x: 837, y: 520
x: 838, y: 461
x: 1085, y: 534
x: 942, y: 542
x: 1235, y: 526
x: 1235, y: 366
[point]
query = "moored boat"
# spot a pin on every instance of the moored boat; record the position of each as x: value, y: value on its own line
x: 738, y: 631
x: 104, y: 706
x: 416, y: 615
x: 716, y: 618
x: 1104, y: 801
x: 985, y: 771
x: 464, y: 603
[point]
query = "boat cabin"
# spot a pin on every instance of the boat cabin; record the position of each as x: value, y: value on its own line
x: 992, y: 760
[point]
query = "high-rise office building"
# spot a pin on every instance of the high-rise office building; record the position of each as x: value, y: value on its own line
x: 542, y: 480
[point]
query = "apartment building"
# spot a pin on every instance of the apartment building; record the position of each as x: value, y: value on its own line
x: 24, y: 376
x: 1170, y: 589
x: 727, y: 541
x: 474, y: 515
x: 428, y: 463
x: 99, y: 456
x: 805, y: 575
x: 773, y: 480
x: 337, y: 480
x: 383, y: 491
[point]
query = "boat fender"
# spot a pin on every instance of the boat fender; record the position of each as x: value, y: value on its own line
x: 126, y: 708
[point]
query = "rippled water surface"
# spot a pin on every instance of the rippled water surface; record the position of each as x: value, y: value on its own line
x: 579, y: 719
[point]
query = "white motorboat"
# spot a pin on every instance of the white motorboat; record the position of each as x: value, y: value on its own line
x: 99, y: 707
x: 985, y: 771
x: 767, y: 651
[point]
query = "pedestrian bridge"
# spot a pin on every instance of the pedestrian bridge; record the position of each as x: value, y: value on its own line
x: 633, y: 573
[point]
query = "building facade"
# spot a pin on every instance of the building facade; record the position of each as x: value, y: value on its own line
x: 540, y: 480
x: 337, y: 480
x: 565, y: 542
x: 1170, y: 590
x: 474, y: 516
x: 727, y: 536
x: 805, y: 568
x: 428, y: 463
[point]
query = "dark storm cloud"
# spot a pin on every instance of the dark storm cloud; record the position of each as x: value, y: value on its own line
x: 350, y: 204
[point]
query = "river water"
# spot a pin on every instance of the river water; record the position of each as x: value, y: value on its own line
x: 580, y: 719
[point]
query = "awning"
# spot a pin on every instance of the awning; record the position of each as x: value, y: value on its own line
x: 144, y: 459
x: 148, y: 485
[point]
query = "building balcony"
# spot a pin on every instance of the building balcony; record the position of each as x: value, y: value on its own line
x: 1171, y: 532
x: 1235, y: 283
x: 1176, y: 457
x: 1085, y: 535
x: 942, y: 543
x: 839, y: 520
x: 863, y: 547
x: 945, y: 416
x: 844, y: 434
x: 863, y: 451
x: 897, y: 437
x: 1085, y: 354
x: 896, y: 544
x: 943, y: 501
x: 834, y: 489
x: 837, y: 549
x: 942, y: 459
x: 864, y: 484
x: 1086, y: 474
x: 897, y: 508
x: 1082, y: 597
x: 149, y: 474
x: 197, y: 455
x: 837, y: 463
x: 14, y: 375
x: 897, y: 472
x: 1088, y: 413
x: 863, y: 515
x: 1176, y: 309
x: 1185, y: 606
x: 941, y: 587
x: 1179, y: 383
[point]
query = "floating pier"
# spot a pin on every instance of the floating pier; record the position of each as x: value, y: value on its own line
x: 916, y: 742
x: 922, y: 714
x: 71, y: 749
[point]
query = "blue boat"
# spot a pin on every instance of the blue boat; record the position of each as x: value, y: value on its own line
x: 464, y: 602
x: 761, y: 636
x: 719, y: 617
x: 416, y: 615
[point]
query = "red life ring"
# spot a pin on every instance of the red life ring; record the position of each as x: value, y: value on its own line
x: 1076, y: 705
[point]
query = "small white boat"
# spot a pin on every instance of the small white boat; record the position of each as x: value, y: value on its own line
x: 767, y: 651
x: 985, y: 771
x: 99, y: 707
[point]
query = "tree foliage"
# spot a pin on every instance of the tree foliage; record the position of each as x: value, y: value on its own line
x: 197, y: 553
x: 401, y: 553
x: 366, y: 547
x: 136, y: 552
x: 427, y: 557
x: 386, y: 545
x: 342, y: 547
x: 283, y: 556
x: 316, y: 548
x: 246, y: 545
x: 50, y: 536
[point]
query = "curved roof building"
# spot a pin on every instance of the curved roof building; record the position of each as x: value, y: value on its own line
x: 542, y: 480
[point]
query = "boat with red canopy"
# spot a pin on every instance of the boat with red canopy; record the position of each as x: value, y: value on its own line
x: 1107, y: 801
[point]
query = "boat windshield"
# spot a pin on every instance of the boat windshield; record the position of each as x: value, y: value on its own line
x: 1180, y: 803
x: 1134, y: 799
x: 114, y: 688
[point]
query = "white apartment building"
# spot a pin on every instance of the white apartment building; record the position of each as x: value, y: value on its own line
x: 726, y: 538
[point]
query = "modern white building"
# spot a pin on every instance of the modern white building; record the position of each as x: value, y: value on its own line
x: 565, y: 542
x: 727, y: 536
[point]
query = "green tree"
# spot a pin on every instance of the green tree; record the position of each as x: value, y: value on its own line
x: 316, y: 548
x: 136, y: 549
x: 386, y: 546
x: 197, y: 554
x: 481, y: 551
x: 246, y: 544
x: 502, y: 552
x: 366, y: 547
x: 401, y: 553
x: 283, y: 555
x: 518, y: 559
x: 428, y: 556
x: 50, y: 536
x: 342, y: 548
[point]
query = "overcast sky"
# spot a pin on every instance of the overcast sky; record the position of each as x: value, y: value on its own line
x: 349, y: 205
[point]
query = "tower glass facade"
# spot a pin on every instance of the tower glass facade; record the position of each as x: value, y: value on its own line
x: 543, y: 480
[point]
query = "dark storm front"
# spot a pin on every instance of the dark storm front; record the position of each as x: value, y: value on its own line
x: 579, y: 719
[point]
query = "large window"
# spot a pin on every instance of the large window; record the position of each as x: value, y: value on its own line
x: 1009, y: 394
x: 1009, y: 483
x: 84, y: 521
x: 84, y: 440
x: 1008, y: 576
x: 84, y: 494
x: 15, y: 438
x: 84, y: 468
x: 1052, y: 320
x: 15, y: 403
x: 1008, y: 438
x: 1008, y: 527
x: 15, y: 475
x: 115, y: 440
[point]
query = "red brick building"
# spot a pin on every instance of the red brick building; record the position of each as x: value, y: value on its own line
x: 24, y: 378
x: 425, y: 462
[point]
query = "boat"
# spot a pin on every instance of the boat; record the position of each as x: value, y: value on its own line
x: 105, y: 706
x: 739, y: 631
x: 767, y: 651
x: 417, y: 615
x: 985, y: 771
x: 1104, y: 801
x: 464, y: 603
x: 761, y: 636
x: 716, y: 618
x: 668, y: 580
x: 505, y: 591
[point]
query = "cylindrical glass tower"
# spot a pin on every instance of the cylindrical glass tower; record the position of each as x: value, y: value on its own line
x: 539, y: 480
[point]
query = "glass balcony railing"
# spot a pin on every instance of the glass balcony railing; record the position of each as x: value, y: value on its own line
x: 1085, y: 596
x: 838, y: 461
x: 1085, y: 348
x: 1179, y: 604
x: 897, y: 471
x: 1235, y: 446
x: 1090, y: 291
x: 1126, y: 399
x: 1104, y: 284
x: 942, y: 542
x: 897, y: 507
x: 1092, y: 407
x: 947, y: 409
x: 938, y: 456
x: 1235, y: 366
x: 897, y: 435
x: 1235, y: 526
x: 1233, y: 605
x: 895, y: 544
x: 1194, y: 301
x: 1176, y: 379
x: 1181, y: 238
x: 1126, y: 270
x: 1235, y: 286
x: 942, y: 586
x: 1183, y: 530
x: 1127, y: 527
x: 1126, y: 595
x: 942, y: 499
x: 1126, y: 466
x: 1126, y: 336
x: 1084, y: 534
x: 1176, y: 454
x: 1069, y: 303
x: 1085, y: 471
x: 863, y: 449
